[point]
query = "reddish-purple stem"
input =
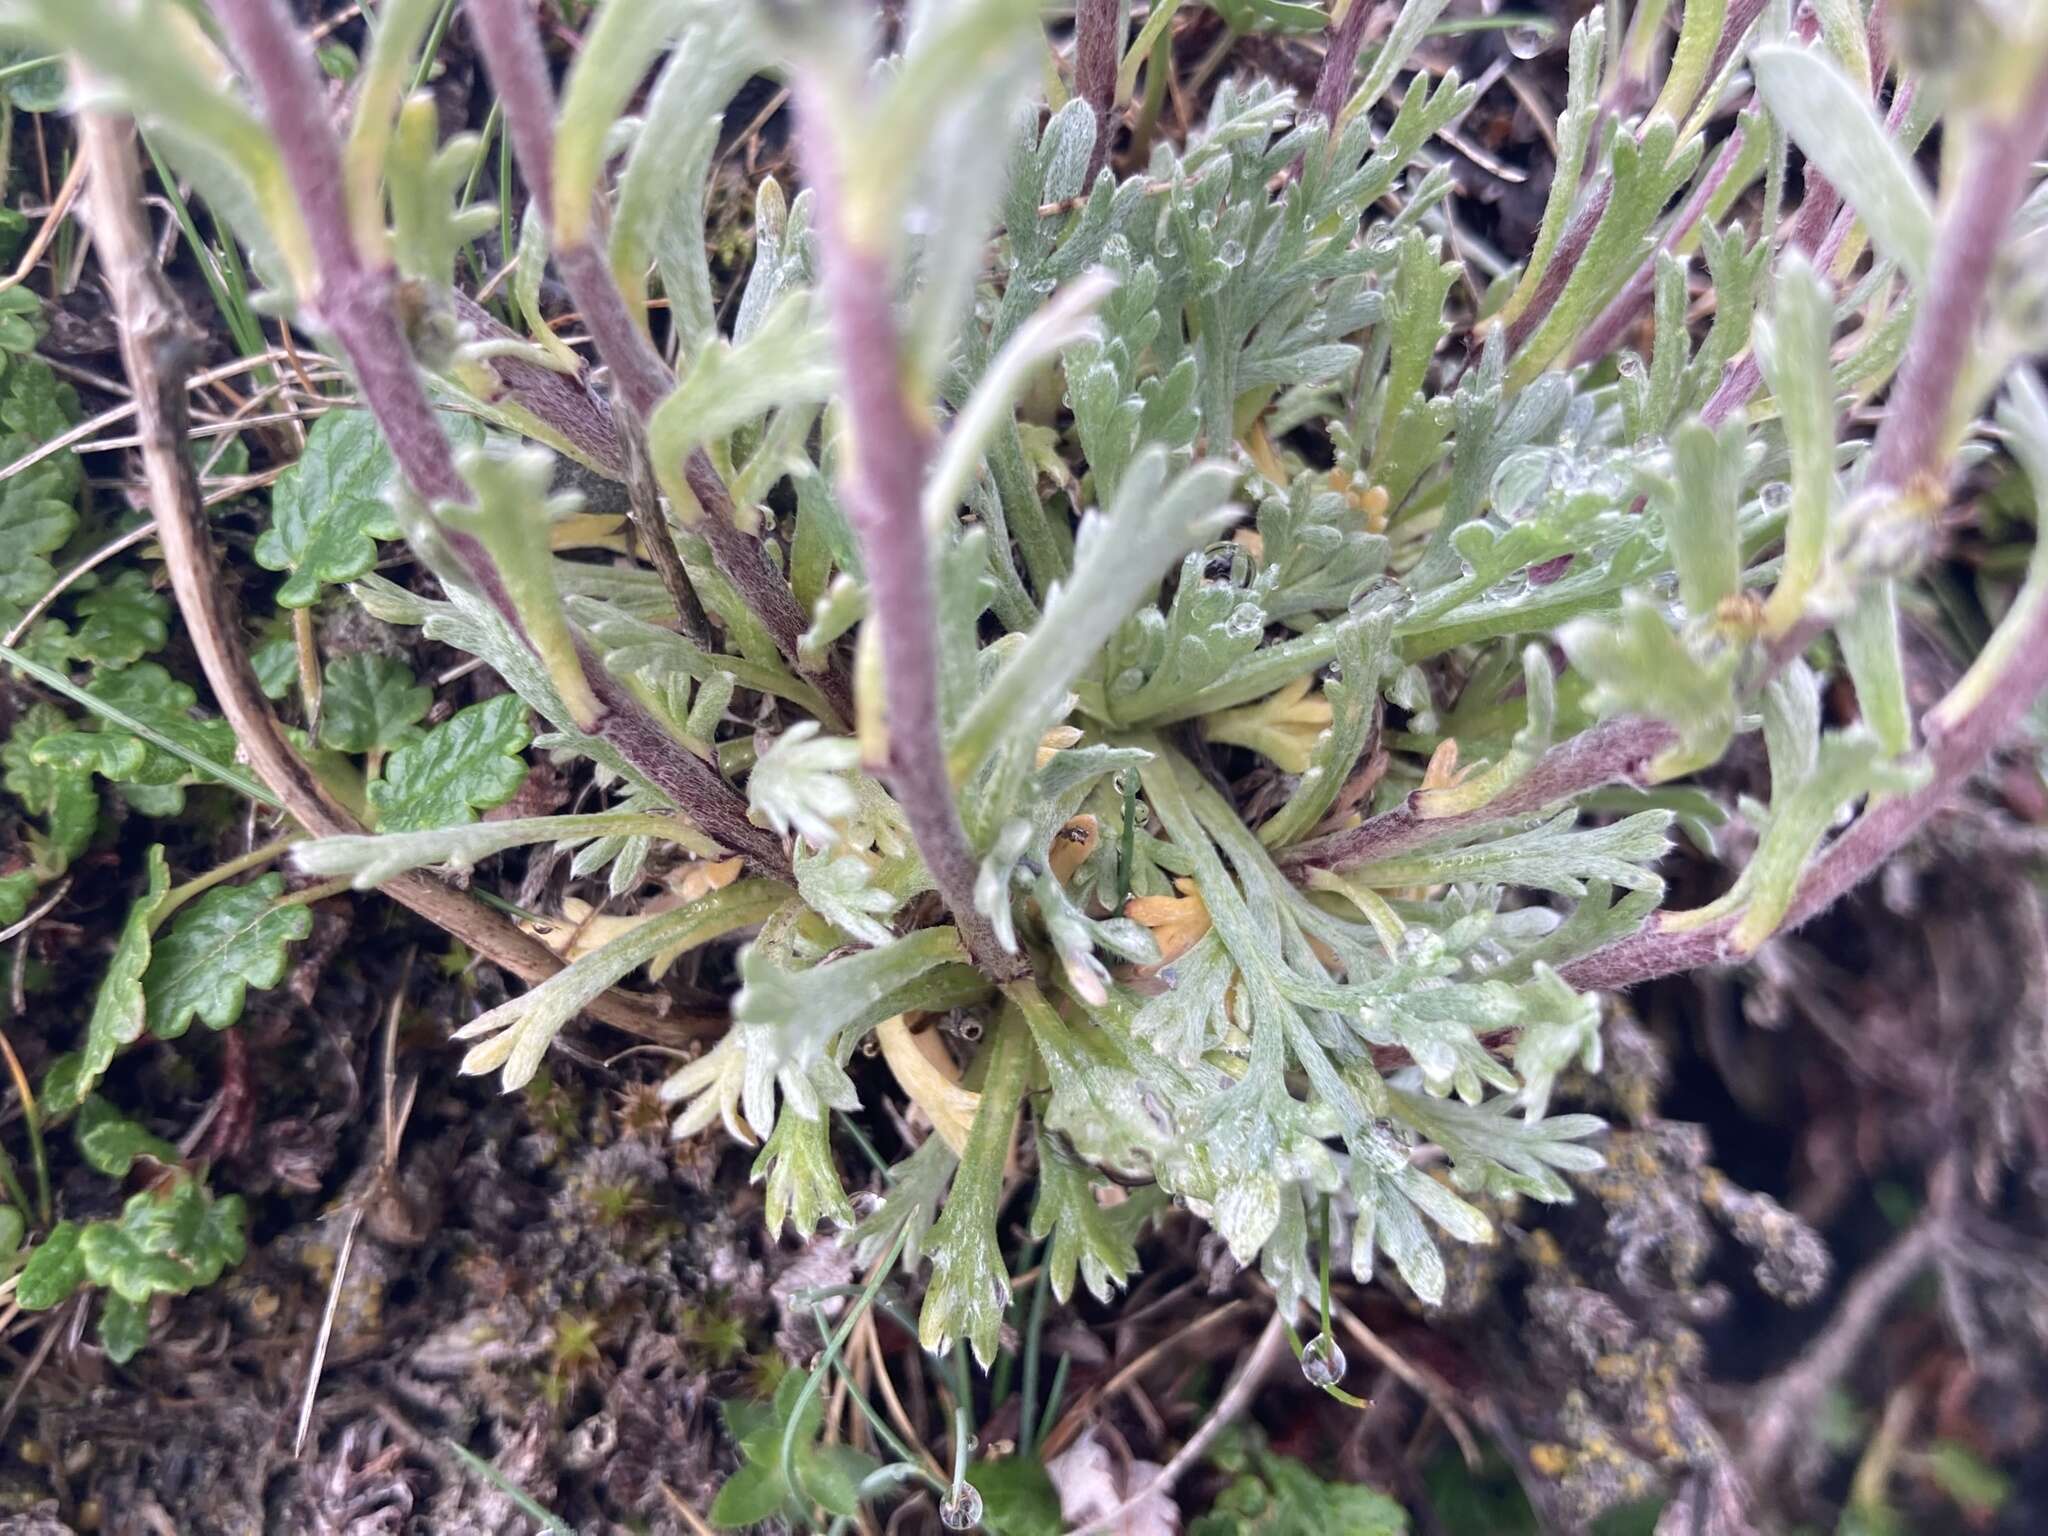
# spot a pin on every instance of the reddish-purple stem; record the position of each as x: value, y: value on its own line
x: 510, y: 44
x: 1564, y: 261
x: 356, y: 304
x: 1618, y: 751
x: 1605, y: 334
x: 1911, y: 456
x: 881, y: 487
x: 1578, y: 234
x: 1340, y: 62
x: 1097, y: 48
x: 1742, y: 15
x: 565, y: 403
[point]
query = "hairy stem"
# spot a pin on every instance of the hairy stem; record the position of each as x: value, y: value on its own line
x: 1096, y: 50
x: 565, y: 405
x: 1618, y: 751
x: 355, y: 303
x: 510, y: 44
x: 158, y: 348
x: 1340, y: 62
x: 882, y: 488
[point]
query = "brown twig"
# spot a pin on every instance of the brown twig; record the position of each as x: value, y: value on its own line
x: 1236, y: 1398
x: 157, y: 351
x: 1788, y: 1402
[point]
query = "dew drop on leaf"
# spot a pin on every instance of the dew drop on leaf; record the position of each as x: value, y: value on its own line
x: 960, y: 1510
x: 1777, y: 496
x: 1527, y: 42
x: 1523, y: 481
x: 1322, y: 1362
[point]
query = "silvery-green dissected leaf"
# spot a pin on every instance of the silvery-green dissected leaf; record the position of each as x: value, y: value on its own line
x: 1495, y: 1153
x: 916, y: 1186
x: 428, y: 177
x: 1416, y: 18
x: 1697, y: 506
x: 370, y: 703
x: 1834, y: 125
x: 231, y: 938
x: 1353, y: 695
x: 466, y: 764
x: 1066, y: 321
x: 1318, y: 541
x: 787, y: 361
x: 803, y: 1186
x: 791, y: 1018
x: 1793, y: 349
x: 1638, y: 666
x: 617, y: 48
x: 374, y: 859
x: 802, y: 784
x: 970, y: 1285
x: 120, y: 1010
x: 516, y: 1034
x: 1550, y: 856
x: 1095, y: 1242
x: 1814, y: 774
x: 1152, y: 524
x: 658, y: 214
x: 1391, y: 1200
x: 664, y: 662
x: 1559, y: 1028
x: 508, y: 512
x: 852, y: 893
x: 1646, y: 173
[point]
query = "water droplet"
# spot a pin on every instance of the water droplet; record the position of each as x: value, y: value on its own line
x: 1245, y: 621
x: 1777, y: 496
x: 1631, y: 366
x: 970, y: 1030
x: 870, y: 1047
x: 1527, y: 42
x: 1522, y: 482
x: 960, y: 1510
x: 1420, y: 944
x: 1322, y: 1362
x: 865, y: 1204
x: 1230, y: 253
